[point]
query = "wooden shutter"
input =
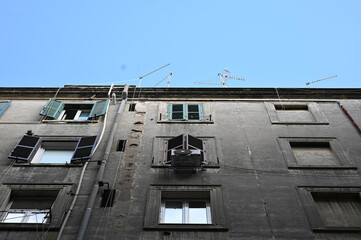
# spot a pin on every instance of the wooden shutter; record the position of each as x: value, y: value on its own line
x: 4, y: 106
x: 84, y: 148
x: 99, y: 108
x: 25, y: 148
x: 52, y: 108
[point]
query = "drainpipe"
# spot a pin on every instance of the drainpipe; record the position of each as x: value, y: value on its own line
x: 101, y: 169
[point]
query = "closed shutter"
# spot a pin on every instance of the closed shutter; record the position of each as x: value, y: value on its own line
x: 4, y: 106
x: 25, y: 148
x: 52, y: 108
x: 99, y: 108
x: 84, y: 148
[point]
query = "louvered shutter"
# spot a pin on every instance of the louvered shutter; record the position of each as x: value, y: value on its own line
x: 99, y: 108
x: 52, y: 108
x: 84, y: 148
x: 4, y: 106
x: 25, y: 148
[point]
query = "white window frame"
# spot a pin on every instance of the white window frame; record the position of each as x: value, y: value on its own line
x: 40, y: 153
x: 27, y: 214
x: 76, y: 117
x: 185, y: 211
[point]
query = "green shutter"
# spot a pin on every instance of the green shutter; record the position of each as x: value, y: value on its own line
x: 52, y: 108
x: 4, y: 106
x: 99, y: 108
x: 200, y: 108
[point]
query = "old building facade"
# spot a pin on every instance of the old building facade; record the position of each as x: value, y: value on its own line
x: 119, y: 162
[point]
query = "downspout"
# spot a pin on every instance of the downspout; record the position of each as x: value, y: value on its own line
x: 63, y: 224
x: 101, y: 169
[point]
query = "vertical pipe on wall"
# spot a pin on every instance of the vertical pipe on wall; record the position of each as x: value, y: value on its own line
x: 101, y: 169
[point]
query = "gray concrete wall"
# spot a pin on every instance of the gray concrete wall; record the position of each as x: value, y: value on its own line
x: 261, y: 197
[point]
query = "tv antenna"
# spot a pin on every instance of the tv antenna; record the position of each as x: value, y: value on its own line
x: 140, y: 78
x: 224, y: 77
x: 168, y: 76
x: 319, y: 80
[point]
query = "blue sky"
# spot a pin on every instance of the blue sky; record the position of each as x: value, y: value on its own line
x: 269, y: 43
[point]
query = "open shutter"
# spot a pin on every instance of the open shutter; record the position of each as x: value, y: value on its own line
x: 84, y: 148
x: 99, y: 108
x: 174, y: 143
x: 4, y: 106
x: 25, y: 148
x: 52, y: 108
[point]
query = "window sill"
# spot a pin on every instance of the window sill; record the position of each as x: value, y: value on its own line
x: 187, y: 227
x: 300, y: 123
x: 336, y: 229
x: 185, y: 121
x: 47, y: 165
x: 169, y: 166
x: 27, y: 227
x: 322, y: 167
x: 69, y: 121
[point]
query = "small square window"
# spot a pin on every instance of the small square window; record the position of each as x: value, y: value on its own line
x: 132, y: 107
x: 121, y: 145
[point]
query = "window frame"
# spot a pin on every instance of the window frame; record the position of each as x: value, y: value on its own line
x: 185, y: 112
x: 77, y: 142
x: 312, y: 214
x: 156, y: 196
x: 313, y: 109
x: 58, y: 209
x: 335, y: 146
x: 185, y: 210
x: 55, y: 113
x: 211, y: 146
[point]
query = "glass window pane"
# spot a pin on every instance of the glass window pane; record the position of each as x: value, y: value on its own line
x: 193, y: 116
x: 197, y: 212
x: 173, y: 212
x: 177, y: 107
x: 177, y: 115
x: 14, y: 217
x: 84, y: 115
x: 57, y: 156
x: 36, y: 217
x: 193, y: 108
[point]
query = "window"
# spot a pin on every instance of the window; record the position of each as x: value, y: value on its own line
x: 295, y: 113
x: 185, y: 207
x: 57, y: 110
x: 314, y: 153
x: 121, y: 145
x: 335, y: 208
x: 3, y: 106
x: 22, y: 206
x: 131, y: 107
x: 185, y: 111
x: 203, y: 150
x: 28, y: 207
x: 38, y: 150
x: 183, y: 142
x: 185, y: 212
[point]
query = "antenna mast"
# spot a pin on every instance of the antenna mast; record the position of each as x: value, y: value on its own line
x: 224, y: 77
x: 319, y: 80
